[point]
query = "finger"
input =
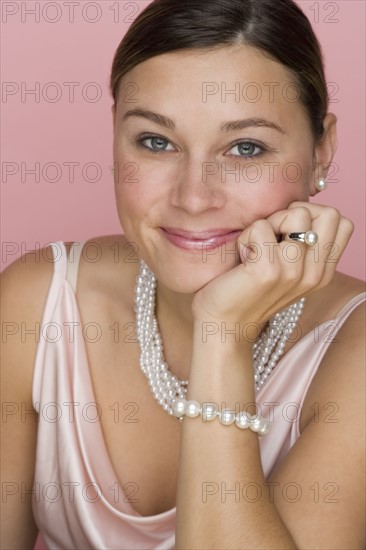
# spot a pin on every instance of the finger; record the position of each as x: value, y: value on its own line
x: 318, y: 266
x: 268, y: 267
x: 289, y: 254
x: 292, y: 220
x: 334, y: 232
x: 256, y: 242
x: 285, y: 222
x: 336, y: 249
x: 267, y: 263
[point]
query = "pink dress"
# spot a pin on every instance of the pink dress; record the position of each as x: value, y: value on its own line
x: 76, y: 504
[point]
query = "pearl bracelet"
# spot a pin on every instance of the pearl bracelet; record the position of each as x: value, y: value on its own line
x: 209, y: 411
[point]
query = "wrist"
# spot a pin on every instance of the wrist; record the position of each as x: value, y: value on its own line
x: 226, y: 336
x: 209, y: 411
x: 221, y: 370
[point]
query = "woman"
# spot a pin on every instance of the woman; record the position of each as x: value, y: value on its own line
x: 221, y: 135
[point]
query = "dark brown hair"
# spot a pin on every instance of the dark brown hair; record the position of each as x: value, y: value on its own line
x: 277, y: 27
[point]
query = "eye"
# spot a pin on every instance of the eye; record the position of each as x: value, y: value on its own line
x: 158, y: 143
x: 248, y: 149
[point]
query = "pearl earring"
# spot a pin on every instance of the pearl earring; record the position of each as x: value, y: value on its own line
x: 321, y: 185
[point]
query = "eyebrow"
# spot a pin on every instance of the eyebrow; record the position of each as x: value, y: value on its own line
x: 228, y: 126
x: 150, y: 115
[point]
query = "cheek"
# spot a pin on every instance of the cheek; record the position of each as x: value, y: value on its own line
x: 137, y: 189
x: 130, y: 203
x: 269, y: 189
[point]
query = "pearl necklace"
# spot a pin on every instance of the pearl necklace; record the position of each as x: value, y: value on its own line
x: 166, y: 387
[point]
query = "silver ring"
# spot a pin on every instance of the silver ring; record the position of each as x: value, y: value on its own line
x: 307, y: 237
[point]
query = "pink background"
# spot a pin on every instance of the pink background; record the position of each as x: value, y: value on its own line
x: 62, y: 131
x: 78, y: 50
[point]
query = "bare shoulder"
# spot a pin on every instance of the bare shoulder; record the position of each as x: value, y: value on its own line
x: 30, y: 269
x: 345, y: 285
x: 108, y: 265
x: 328, y: 301
x: 24, y: 288
x: 106, y: 250
x: 344, y: 359
x: 320, y: 316
x: 108, y: 268
x: 327, y: 463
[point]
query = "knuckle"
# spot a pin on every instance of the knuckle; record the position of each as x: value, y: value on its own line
x: 258, y: 225
x: 347, y: 225
x: 332, y: 213
x: 296, y: 204
x: 301, y: 211
x: 298, y: 219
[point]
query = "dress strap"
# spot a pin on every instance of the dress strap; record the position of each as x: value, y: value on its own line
x: 73, y: 261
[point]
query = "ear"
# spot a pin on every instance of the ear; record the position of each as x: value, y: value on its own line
x: 324, y: 151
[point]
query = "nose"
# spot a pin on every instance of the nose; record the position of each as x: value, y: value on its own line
x: 198, y: 188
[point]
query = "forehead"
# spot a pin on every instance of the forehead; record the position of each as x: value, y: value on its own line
x: 231, y: 78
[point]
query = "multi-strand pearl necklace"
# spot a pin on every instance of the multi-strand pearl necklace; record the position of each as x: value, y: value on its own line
x: 166, y: 387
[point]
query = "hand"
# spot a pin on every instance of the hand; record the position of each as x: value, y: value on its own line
x: 273, y: 274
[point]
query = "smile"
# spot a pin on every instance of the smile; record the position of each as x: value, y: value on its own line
x: 199, y: 240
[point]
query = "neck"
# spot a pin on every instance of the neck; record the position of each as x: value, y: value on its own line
x: 175, y: 307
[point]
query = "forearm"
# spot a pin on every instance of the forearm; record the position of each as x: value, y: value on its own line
x: 217, y: 461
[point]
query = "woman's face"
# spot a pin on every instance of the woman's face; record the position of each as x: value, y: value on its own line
x: 187, y: 185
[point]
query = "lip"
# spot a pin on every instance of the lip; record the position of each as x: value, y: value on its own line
x: 199, y: 235
x: 199, y: 240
